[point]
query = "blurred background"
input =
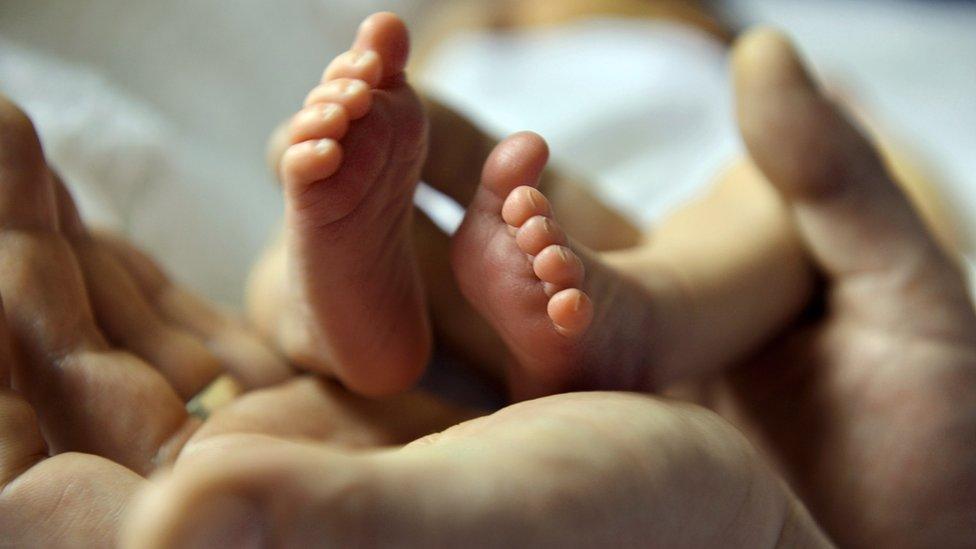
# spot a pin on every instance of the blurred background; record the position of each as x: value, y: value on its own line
x: 157, y: 113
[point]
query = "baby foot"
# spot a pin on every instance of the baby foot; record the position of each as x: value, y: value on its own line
x: 356, y: 305
x: 570, y: 321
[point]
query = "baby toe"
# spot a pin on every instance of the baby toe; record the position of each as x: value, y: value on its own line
x: 538, y: 233
x: 387, y: 35
x: 571, y: 312
x: 319, y: 121
x: 362, y: 65
x: 559, y: 266
x: 354, y: 96
x: 310, y: 161
x: 524, y: 203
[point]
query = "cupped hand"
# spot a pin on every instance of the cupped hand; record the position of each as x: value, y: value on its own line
x: 571, y: 470
x: 98, y: 353
x: 870, y: 403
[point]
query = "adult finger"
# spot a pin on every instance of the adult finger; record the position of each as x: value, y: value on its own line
x: 126, y: 316
x: 239, y: 350
x: 853, y: 216
x: 88, y: 397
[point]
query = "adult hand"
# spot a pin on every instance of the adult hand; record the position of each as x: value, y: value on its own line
x: 870, y: 406
x: 138, y: 308
x: 580, y: 470
x: 96, y: 351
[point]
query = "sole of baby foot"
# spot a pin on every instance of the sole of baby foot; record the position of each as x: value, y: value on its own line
x: 570, y: 321
x: 355, y: 305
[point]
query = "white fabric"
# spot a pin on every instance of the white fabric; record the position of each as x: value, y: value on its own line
x: 640, y: 108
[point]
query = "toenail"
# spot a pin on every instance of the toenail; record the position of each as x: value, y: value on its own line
x: 361, y: 58
x: 323, y: 146
x: 351, y: 88
x: 578, y: 302
x: 531, y: 196
x: 545, y: 225
x: 329, y: 111
x: 562, y: 254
